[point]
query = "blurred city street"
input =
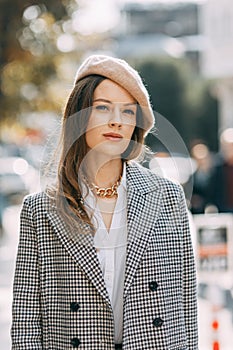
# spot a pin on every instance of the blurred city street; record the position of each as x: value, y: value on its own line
x: 8, y: 246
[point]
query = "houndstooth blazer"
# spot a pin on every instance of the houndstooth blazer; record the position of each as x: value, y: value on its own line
x: 60, y: 301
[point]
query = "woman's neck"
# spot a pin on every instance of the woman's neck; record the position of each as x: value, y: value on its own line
x: 104, y: 174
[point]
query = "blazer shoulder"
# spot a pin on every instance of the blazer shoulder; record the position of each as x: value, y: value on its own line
x: 39, y: 201
x: 146, y: 179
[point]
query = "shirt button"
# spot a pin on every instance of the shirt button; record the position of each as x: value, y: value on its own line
x: 153, y: 285
x: 74, y: 306
x: 158, y: 322
x: 75, y: 342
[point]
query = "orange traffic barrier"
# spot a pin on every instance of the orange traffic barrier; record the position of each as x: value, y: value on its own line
x: 215, y: 326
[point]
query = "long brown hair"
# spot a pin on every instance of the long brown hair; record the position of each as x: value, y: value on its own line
x: 74, y: 148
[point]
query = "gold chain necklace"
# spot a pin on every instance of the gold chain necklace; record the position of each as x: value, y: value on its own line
x: 107, y: 192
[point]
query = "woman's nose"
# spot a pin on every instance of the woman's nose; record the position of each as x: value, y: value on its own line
x: 116, y: 117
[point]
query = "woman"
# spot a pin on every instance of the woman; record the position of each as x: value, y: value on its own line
x: 105, y: 259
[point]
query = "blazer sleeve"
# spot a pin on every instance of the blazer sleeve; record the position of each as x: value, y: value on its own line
x: 189, y: 279
x: 26, y: 315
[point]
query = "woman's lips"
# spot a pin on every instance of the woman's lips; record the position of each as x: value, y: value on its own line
x: 112, y: 136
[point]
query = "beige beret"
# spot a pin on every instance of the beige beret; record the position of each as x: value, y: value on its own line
x: 123, y: 74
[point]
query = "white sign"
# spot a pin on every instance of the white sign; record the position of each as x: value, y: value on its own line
x: 214, y: 244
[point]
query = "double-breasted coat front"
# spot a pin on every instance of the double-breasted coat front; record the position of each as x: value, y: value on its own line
x: 60, y: 301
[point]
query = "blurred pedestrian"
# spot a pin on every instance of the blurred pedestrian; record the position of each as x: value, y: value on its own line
x: 201, y: 177
x: 105, y: 259
x: 221, y: 182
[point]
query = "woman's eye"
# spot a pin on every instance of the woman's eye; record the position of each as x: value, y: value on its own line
x: 101, y: 108
x: 129, y: 111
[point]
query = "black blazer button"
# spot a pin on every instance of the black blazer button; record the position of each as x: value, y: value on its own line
x: 158, y: 322
x: 74, y: 306
x: 75, y: 342
x: 153, y: 285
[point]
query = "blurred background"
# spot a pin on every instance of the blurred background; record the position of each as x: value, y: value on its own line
x: 184, y: 51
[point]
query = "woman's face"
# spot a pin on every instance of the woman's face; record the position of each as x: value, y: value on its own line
x: 112, y: 120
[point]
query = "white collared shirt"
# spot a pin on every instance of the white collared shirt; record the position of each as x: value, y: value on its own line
x: 111, y: 251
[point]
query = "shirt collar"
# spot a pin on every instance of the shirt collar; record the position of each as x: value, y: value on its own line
x: 123, y: 178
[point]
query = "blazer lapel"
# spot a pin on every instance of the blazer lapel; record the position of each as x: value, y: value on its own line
x: 144, y: 196
x: 79, y: 246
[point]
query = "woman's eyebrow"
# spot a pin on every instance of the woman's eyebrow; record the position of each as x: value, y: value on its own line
x: 107, y: 101
x: 102, y: 100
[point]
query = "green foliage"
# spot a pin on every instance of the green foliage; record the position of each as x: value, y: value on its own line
x: 182, y: 98
x: 203, y: 111
x: 28, y: 54
x: 166, y: 86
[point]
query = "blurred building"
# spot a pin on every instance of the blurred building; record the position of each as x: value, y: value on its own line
x: 148, y: 29
x: 217, y: 58
x: 174, y: 19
